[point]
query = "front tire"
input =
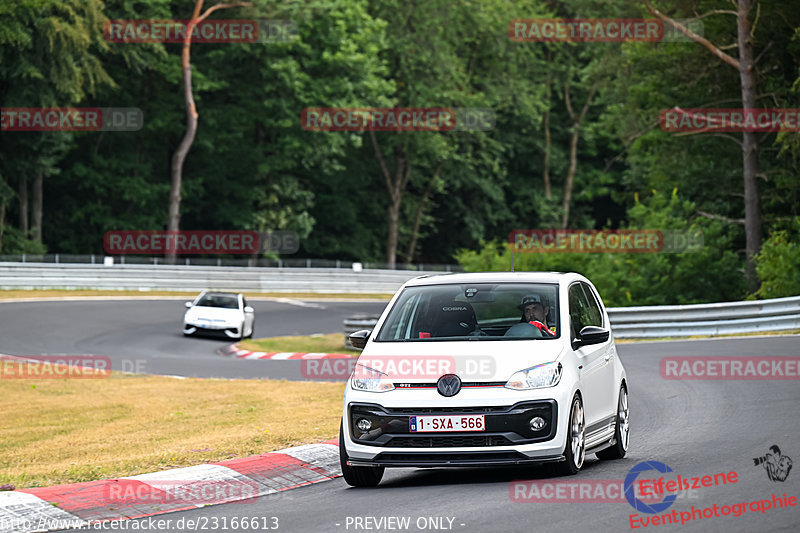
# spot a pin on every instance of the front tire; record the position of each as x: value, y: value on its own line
x: 357, y: 476
x: 575, y: 446
x: 621, y: 430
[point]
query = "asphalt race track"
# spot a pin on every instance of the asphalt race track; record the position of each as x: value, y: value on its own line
x: 145, y: 335
x: 697, y: 427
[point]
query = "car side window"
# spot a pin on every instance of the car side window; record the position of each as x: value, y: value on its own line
x: 577, y: 306
x: 244, y: 302
x: 594, y: 314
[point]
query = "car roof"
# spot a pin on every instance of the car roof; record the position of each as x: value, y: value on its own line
x: 495, y: 277
x: 217, y: 293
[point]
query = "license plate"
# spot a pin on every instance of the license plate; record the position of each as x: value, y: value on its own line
x: 446, y: 423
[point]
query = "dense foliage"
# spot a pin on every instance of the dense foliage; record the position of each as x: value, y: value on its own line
x: 576, y: 141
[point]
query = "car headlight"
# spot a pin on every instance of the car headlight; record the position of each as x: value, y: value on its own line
x: 368, y: 379
x: 537, y: 377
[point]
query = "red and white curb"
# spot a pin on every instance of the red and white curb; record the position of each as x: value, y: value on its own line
x: 80, y: 504
x: 235, y: 351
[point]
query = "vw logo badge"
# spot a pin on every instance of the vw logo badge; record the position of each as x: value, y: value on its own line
x: 448, y: 385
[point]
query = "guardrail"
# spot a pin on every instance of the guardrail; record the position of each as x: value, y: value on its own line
x: 756, y: 316
x: 706, y: 319
x: 196, y: 278
x: 281, y: 262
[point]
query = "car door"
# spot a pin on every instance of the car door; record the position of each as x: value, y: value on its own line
x: 593, y: 367
x: 608, y: 401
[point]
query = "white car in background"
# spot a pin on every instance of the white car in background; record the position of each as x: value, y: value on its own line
x: 485, y: 369
x: 220, y: 313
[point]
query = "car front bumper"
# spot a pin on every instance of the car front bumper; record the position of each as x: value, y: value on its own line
x: 232, y: 332
x: 508, y: 439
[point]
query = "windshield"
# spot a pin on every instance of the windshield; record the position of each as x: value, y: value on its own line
x: 226, y: 301
x: 480, y: 311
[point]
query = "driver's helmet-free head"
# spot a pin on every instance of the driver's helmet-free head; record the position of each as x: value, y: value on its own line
x: 531, y: 299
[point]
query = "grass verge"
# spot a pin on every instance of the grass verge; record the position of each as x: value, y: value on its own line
x: 70, y: 430
x: 329, y: 343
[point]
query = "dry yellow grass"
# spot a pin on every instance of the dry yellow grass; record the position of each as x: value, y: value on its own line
x: 69, y: 430
x: 327, y: 343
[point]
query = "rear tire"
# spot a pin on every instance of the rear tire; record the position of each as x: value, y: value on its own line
x: 621, y: 430
x: 357, y: 476
x: 575, y: 446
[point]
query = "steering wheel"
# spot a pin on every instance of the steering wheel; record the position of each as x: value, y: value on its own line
x: 523, y: 329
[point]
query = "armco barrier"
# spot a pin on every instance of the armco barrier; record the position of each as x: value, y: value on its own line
x: 706, y: 319
x: 756, y: 316
x: 196, y: 278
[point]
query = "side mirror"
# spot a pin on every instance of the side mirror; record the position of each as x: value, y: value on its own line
x: 359, y: 338
x: 187, y: 305
x: 249, y: 309
x: 591, y: 335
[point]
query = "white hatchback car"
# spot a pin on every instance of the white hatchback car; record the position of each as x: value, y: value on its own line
x: 221, y: 313
x: 485, y: 369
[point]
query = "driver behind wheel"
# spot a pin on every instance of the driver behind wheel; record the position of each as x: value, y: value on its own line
x: 534, y: 311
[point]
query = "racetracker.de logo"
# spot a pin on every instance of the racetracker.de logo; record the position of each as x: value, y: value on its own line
x: 604, y: 241
x: 590, y: 490
x: 723, y: 367
x: 182, y: 492
x: 206, y: 31
x: 397, y: 119
x: 729, y: 120
x: 585, y: 30
x: 180, y: 242
x: 55, y: 367
x: 399, y: 368
x: 71, y: 119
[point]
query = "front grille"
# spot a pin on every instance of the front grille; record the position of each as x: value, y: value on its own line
x: 448, y: 442
x: 407, y: 386
x: 440, y: 410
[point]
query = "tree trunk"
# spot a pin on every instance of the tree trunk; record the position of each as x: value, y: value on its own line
x: 547, y: 140
x: 23, y: 205
x: 750, y: 167
x: 577, y: 120
x: 395, y: 186
x: 418, y: 216
x: 391, y: 240
x: 174, y: 213
x: 36, y: 207
x: 2, y: 223
x: 573, y: 167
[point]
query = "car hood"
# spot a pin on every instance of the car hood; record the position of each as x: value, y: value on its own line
x: 213, y: 314
x: 474, y: 361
